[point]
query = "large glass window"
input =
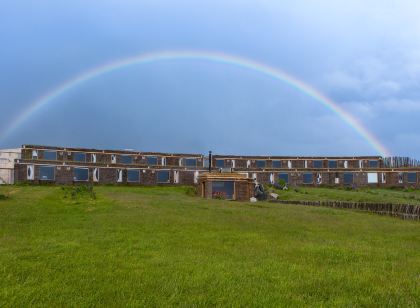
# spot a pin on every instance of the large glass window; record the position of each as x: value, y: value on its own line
x: 220, y: 163
x: 79, y: 156
x: 224, y: 189
x: 318, y: 164
x: 308, y: 178
x: 190, y: 162
x: 348, y: 178
x: 373, y: 164
x: 412, y: 177
x: 163, y: 176
x: 50, y: 155
x: 126, y: 159
x: 152, y: 160
x: 276, y: 164
x: 284, y: 177
x: 80, y: 174
x: 260, y: 163
x: 133, y: 175
x: 47, y: 173
x: 332, y: 164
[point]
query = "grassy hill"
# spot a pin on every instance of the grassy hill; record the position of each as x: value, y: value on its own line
x: 158, y: 246
x: 365, y: 194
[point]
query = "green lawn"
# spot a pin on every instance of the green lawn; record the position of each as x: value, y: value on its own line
x: 159, y: 247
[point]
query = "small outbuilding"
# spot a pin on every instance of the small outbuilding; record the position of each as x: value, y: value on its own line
x: 229, y: 186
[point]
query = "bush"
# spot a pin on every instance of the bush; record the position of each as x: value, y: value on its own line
x: 219, y: 196
x: 409, y: 189
x: 81, y: 191
x: 191, y: 191
x: 281, y: 183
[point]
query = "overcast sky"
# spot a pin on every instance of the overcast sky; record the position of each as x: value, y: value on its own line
x: 365, y: 55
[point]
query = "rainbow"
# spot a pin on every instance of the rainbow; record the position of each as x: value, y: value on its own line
x: 198, y: 55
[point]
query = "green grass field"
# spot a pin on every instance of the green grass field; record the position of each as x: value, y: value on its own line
x: 402, y: 196
x: 149, y: 246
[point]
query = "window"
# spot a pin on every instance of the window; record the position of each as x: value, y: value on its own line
x: 332, y: 164
x: 307, y: 178
x: 223, y: 189
x: 412, y: 177
x: 348, y: 178
x: 220, y: 163
x: 126, y: 159
x: 284, y: 177
x: 400, y: 178
x: 119, y: 175
x: 319, y: 178
x: 34, y: 154
x: 163, y: 176
x: 373, y: 164
x: 80, y: 174
x: 260, y: 163
x: 79, y: 156
x: 96, y: 175
x: 190, y: 162
x: 133, y: 175
x: 30, y: 172
x: 50, y: 155
x: 372, y: 178
x: 317, y: 164
x: 276, y: 164
x: 152, y: 160
x: 47, y: 173
x: 383, y: 177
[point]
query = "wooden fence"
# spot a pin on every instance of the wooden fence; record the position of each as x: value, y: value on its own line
x: 404, y: 211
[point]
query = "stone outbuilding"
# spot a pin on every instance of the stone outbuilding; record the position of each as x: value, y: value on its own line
x: 229, y: 186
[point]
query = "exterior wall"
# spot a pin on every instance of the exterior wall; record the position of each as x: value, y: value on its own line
x: 295, y: 167
x: 7, y: 161
x: 243, y: 191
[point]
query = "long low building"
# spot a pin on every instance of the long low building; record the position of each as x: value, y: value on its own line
x: 61, y: 165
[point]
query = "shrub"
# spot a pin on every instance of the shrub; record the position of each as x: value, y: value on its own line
x: 409, y: 189
x: 219, y: 195
x: 282, y: 183
x: 191, y: 191
x: 81, y: 191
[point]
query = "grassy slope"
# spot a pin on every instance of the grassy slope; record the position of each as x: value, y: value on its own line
x: 360, y: 195
x: 157, y: 246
